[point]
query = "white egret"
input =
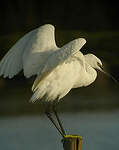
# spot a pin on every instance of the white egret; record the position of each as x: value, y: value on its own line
x: 58, y: 70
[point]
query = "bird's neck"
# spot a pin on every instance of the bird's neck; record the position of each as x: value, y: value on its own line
x: 91, y: 74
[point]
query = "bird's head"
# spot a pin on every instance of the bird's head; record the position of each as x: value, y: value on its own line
x: 94, y: 62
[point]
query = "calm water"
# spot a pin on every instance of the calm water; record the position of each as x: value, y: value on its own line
x: 100, y: 131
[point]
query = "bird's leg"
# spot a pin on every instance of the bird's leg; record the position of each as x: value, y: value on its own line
x: 53, y: 121
x: 59, y: 121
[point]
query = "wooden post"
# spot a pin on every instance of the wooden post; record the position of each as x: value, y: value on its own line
x: 72, y: 142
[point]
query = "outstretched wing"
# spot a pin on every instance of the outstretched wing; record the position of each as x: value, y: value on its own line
x: 12, y: 63
x: 57, y: 58
x: 29, y: 53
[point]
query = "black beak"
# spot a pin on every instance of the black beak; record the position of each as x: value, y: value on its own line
x: 109, y: 75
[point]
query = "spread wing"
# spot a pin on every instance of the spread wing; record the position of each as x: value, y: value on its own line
x: 29, y: 53
x: 57, y: 58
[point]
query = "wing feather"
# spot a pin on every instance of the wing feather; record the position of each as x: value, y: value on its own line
x: 14, y: 58
x: 29, y: 53
x: 38, y: 50
x: 57, y: 58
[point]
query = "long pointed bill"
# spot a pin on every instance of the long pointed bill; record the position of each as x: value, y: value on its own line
x: 109, y: 75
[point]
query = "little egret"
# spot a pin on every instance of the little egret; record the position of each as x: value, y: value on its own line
x: 58, y: 70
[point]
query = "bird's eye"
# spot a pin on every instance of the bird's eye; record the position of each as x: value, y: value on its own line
x: 100, y: 65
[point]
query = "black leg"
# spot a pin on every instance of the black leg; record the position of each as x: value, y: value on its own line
x: 53, y: 121
x: 59, y: 121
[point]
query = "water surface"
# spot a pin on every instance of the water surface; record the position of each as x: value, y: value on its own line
x: 100, y: 131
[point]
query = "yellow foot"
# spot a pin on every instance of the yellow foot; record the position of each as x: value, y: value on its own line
x: 73, y: 136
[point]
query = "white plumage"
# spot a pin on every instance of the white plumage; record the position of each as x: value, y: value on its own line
x: 58, y: 69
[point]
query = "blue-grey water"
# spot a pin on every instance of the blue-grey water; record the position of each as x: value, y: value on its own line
x: 100, y: 131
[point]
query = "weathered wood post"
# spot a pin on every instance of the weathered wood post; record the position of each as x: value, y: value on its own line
x: 72, y: 142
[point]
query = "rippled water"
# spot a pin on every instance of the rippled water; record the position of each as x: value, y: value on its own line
x: 100, y: 131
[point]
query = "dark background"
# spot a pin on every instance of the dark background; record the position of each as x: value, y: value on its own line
x: 93, y: 15
x: 95, y: 20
